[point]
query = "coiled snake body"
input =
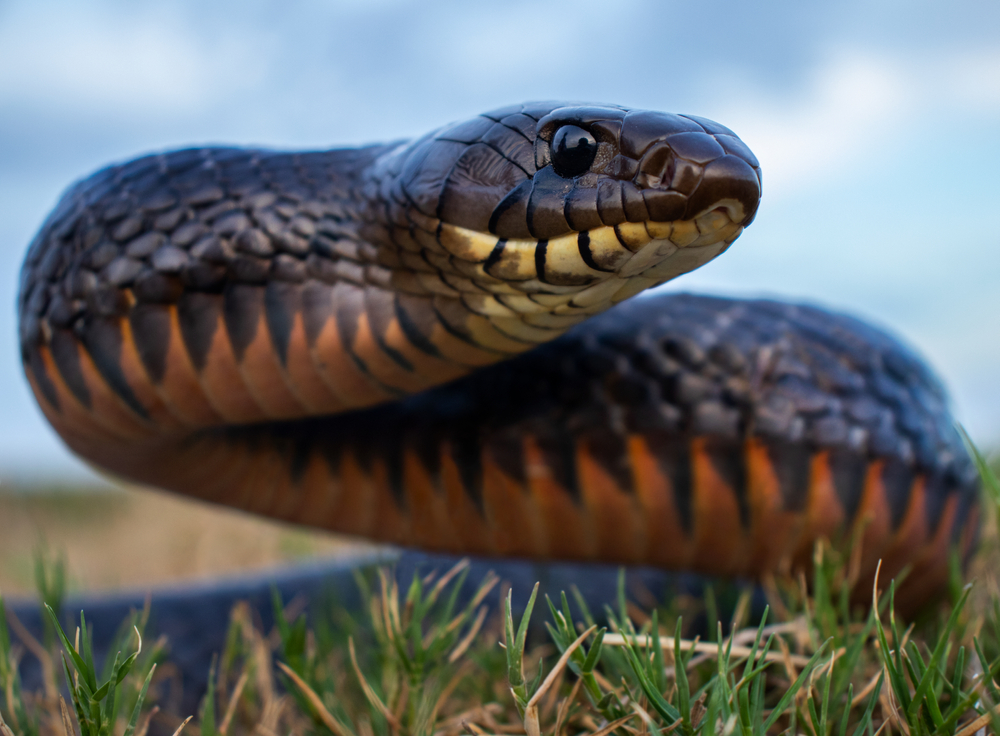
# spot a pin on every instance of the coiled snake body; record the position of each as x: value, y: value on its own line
x: 397, y: 342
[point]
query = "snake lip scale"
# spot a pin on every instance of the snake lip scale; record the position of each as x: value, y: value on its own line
x: 404, y: 342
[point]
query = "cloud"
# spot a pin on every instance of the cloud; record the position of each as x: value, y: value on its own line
x: 84, y: 58
x: 860, y: 104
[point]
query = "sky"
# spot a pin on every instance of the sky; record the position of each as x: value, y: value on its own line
x: 877, y: 124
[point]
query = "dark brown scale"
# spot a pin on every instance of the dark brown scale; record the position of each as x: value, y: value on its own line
x: 897, y: 478
x: 673, y: 454
x: 509, y: 218
x: 416, y: 320
x: 545, y: 211
x: 122, y: 271
x: 791, y: 462
x: 198, y: 316
x: 349, y: 301
x: 187, y: 234
x: 151, y: 333
x: 317, y: 309
x: 242, y: 307
x: 729, y: 461
x: 168, y: 221
x: 466, y: 452
x: 558, y: 449
x: 249, y: 270
x: 288, y: 268
x: 380, y: 307
x: 157, y: 288
x: 849, y: 469
x: 254, y: 242
x: 609, y: 202
x: 506, y: 449
x: 203, y: 276
x: 34, y: 363
x: 63, y: 346
x: 103, y: 341
x: 281, y: 302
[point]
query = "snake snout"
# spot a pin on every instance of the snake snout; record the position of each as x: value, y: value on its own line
x: 686, y: 175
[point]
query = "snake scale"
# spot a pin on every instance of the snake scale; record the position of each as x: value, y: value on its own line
x: 403, y: 342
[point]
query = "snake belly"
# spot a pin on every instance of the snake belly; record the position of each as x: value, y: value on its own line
x: 400, y: 342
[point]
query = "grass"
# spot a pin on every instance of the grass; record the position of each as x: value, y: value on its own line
x: 418, y: 662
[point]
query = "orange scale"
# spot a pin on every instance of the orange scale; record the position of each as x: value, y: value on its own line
x: 567, y: 530
x: 223, y: 470
x: 380, y: 364
x: 341, y: 373
x: 720, y: 541
x: 517, y: 529
x: 222, y: 381
x: 193, y: 469
x: 616, y: 515
x: 114, y: 413
x: 144, y: 389
x: 308, y: 384
x: 180, y: 389
x: 774, y: 531
x: 460, y: 351
x: 912, y: 533
x: 233, y: 491
x: 287, y: 494
x: 472, y: 534
x: 355, y: 509
x: 74, y: 422
x: 873, y: 516
x: 824, y: 517
x: 667, y: 544
x: 319, y: 491
x: 266, y: 379
x: 426, y: 503
x: 929, y: 572
x: 392, y: 522
x: 264, y: 474
x: 431, y: 369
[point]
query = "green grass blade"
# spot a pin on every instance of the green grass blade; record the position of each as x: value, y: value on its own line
x: 927, y: 680
x: 789, y: 694
x: 680, y: 678
x: 134, y: 719
x: 866, y: 719
x: 78, y: 663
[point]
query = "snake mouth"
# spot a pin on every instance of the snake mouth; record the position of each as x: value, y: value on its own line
x: 558, y: 282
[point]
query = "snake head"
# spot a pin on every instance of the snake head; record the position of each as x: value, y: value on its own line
x: 555, y: 198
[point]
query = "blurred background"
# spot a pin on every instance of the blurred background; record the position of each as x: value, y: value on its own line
x: 876, y: 123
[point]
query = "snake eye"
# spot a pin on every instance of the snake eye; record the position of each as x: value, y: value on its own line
x: 573, y: 151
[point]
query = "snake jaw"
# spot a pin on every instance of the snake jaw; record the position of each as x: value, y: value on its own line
x: 558, y: 282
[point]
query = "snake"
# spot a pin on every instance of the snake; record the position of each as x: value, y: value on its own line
x: 442, y: 343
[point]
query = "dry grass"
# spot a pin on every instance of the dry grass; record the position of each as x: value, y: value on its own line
x: 137, y: 538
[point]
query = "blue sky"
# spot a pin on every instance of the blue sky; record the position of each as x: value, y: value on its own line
x: 876, y: 123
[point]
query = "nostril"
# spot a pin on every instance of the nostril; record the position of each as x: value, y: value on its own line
x: 657, y: 163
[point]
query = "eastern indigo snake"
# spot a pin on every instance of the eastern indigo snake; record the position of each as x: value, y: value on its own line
x: 330, y: 338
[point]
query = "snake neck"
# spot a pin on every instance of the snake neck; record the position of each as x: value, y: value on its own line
x: 279, y: 285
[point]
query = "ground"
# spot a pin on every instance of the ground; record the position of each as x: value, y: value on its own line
x: 136, y: 538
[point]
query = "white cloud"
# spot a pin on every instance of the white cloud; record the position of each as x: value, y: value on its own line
x: 89, y: 58
x: 859, y: 105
